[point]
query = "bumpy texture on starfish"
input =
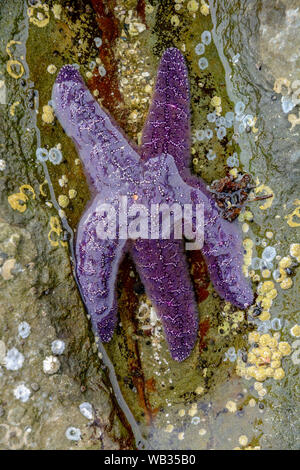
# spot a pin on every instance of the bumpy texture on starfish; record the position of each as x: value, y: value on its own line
x: 157, y: 172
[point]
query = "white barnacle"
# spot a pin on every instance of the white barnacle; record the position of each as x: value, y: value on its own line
x: 208, y: 133
x: 42, y: 154
x: 24, y: 329
x: 229, y: 116
x: 231, y: 354
x: 58, y: 346
x: 200, y: 49
x: 242, y: 127
x: 235, y: 58
x: 210, y: 155
x: 153, y: 317
x: 239, y: 107
x: 102, y: 71
x: 269, y: 253
x: 231, y: 162
x: 206, y: 37
x: 73, y: 434
x: 14, y: 359
x: 287, y: 104
x: 86, y: 410
x: 256, y: 263
x: 51, y: 365
x: 228, y: 124
x: 220, y: 121
x: 249, y: 120
x: 200, y: 135
x: 22, y: 393
x: 55, y: 156
x: 276, y: 324
x: 203, y: 63
x: 98, y: 42
x: 195, y: 420
x: 221, y: 132
x: 211, y: 117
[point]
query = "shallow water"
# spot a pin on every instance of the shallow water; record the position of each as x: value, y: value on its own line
x: 208, y: 401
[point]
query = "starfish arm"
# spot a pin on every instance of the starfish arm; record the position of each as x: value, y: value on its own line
x: 97, y: 263
x: 167, y: 129
x: 106, y: 154
x: 222, y: 247
x: 223, y: 253
x: 163, y: 270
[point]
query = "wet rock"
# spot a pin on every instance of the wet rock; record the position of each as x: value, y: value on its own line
x: 38, y: 407
x: 266, y: 35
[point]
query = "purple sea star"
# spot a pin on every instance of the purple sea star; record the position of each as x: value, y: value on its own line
x: 158, y: 172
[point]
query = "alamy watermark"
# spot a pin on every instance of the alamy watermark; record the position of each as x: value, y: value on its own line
x: 153, y: 222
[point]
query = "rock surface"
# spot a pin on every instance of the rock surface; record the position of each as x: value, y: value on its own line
x: 47, y: 389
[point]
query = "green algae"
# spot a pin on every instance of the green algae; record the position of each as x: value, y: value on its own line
x: 63, y: 41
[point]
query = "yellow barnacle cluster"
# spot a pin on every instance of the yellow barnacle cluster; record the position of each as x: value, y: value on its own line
x: 204, y: 9
x: 233, y: 172
x: 295, y: 251
x: 291, y: 221
x: 175, y: 20
x: 266, y: 191
x: 224, y: 329
x: 193, y: 6
x: 232, y: 320
x: 57, y: 10
x: 238, y: 316
x: 55, y: 232
x: 63, y: 201
x: 294, y: 120
x: 264, y: 357
x: 266, y: 294
x: 18, y: 201
x: 48, y: 114
x: 283, y: 86
x: 280, y: 83
x: 284, y: 281
x: 12, y: 109
x: 246, y: 216
x: 295, y: 331
x: 216, y: 103
x: 14, y: 67
x: 39, y: 14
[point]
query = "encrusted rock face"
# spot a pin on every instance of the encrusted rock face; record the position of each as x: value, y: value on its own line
x: 43, y: 386
x: 49, y: 362
x: 239, y: 387
x: 279, y: 41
